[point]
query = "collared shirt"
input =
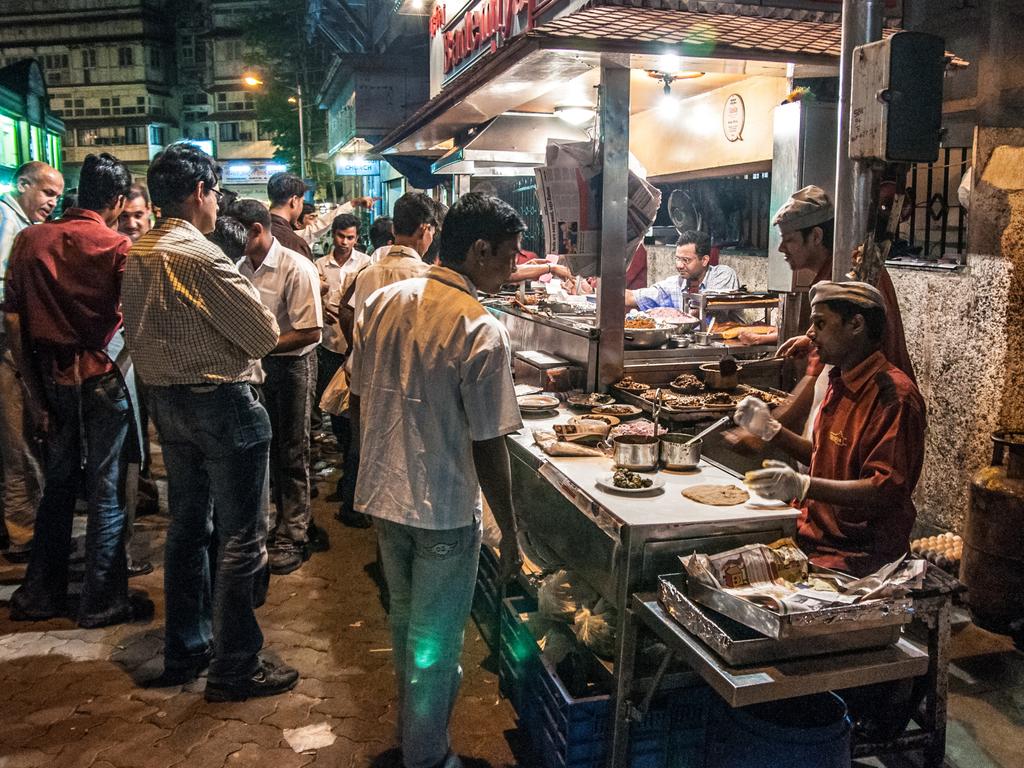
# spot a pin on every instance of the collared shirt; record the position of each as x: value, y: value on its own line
x: 338, y: 278
x: 289, y: 286
x: 12, y: 221
x: 400, y: 263
x: 64, y: 281
x: 322, y: 223
x: 282, y: 231
x: 673, y: 291
x: 871, y: 425
x: 433, y: 372
x: 191, y: 318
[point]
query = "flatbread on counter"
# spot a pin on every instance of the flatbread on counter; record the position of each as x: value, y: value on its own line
x: 717, y: 495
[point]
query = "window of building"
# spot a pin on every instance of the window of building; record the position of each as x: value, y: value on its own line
x: 56, y: 67
x: 88, y: 58
x: 195, y: 99
x: 136, y: 134
x: 157, y: 135
x: 155, y: 60
x: 126, y: 56
x: 263, y: 132
x: 229, y: 132
x: 8, y: 142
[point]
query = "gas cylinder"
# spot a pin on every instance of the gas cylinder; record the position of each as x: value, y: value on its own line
x: 993, y: 564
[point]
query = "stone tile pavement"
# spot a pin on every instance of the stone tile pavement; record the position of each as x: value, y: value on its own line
x: 71, y: 698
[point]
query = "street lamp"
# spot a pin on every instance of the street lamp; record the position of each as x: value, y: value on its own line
x: 251, y: 80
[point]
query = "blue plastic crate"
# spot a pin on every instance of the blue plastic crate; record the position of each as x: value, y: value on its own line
x: 567, y: 731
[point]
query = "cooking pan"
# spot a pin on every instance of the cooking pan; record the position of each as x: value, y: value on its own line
x: 648, y: 338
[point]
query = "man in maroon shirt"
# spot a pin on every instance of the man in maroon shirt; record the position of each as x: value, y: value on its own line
x: 61, y: 310
x: 868, y: 440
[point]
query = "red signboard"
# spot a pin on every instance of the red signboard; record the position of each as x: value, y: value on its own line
x: 486, y: 23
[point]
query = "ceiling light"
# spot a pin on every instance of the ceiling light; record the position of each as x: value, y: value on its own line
x: 574, y: 115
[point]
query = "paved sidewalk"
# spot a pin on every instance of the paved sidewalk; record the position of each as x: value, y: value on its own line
x: 69, y: 697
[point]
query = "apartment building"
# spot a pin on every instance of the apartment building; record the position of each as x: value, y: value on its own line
x: 109, y: 71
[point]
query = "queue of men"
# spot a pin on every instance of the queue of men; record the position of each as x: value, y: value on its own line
x: 234, y: 332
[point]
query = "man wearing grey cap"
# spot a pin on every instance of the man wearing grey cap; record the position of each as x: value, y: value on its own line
x: 867, y: 446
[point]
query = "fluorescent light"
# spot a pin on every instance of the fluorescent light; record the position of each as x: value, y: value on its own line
x: 276, y: 167
x: 574, y: 115
x: 239, y: 169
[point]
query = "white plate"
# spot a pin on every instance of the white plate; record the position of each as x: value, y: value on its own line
x: 757, y: 503
x: 527, y: 389
x: 537, y: 402
x: 607, y: 483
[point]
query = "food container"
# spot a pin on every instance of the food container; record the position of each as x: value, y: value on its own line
x: 679, y: 342
x: 636, y: 452
x: 713, y: 378
x: 675, y: 454
x: 702, y: 338
x: 648, y: 338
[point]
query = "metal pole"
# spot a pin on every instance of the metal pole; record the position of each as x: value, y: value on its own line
x: 302, y: 132
x: 611, y: 296
x: 862, y: 23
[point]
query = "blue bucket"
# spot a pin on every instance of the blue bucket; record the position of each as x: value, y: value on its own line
x: 807, y: 732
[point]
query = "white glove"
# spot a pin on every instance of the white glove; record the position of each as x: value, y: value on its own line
x: 779, y: 481
x: 753, y: 415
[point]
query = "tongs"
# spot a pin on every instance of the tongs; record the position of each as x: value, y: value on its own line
x: 722, y: 421
x: 657, y: 411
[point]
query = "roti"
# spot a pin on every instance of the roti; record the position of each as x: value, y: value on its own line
x: 717, y: 495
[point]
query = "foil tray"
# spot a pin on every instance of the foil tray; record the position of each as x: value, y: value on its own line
x: 822, y: 623
x: 739, y: 645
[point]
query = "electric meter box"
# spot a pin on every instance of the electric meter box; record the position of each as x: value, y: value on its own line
x: 896, y: 99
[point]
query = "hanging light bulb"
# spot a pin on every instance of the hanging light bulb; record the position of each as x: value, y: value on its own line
x: 668, y: 107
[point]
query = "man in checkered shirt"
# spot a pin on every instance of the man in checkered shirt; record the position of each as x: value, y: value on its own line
x: 196, y: 328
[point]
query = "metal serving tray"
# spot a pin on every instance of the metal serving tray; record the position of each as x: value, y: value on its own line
x: 739, y: 645
x: 688, y: 415
x: 828, y: 621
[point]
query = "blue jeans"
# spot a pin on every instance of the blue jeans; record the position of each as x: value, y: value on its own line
x: 215, y: 441
x: 93, y: 419
x: 288, y: 395
x: 431, y: 576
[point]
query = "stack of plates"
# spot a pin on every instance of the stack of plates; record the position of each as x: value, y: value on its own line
x: 537, y: 404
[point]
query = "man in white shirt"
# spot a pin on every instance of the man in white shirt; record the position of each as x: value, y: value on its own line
x: 431, y: 372
x: 289, y: 287
x: 337, y: 271
x: 415, y: 222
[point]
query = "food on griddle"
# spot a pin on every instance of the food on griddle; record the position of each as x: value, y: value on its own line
x: 641, y: 324
x: 733, y: 333
x: 629, y: 383
x: 718, y: 398
x: 727, y: 366
x: 623, y: 478
x: 688, y: 384
x: 670, y: 315
x: 588, y: 400
x: 616, y: 410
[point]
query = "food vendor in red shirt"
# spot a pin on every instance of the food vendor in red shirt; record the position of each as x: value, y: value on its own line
x: 867, y: 444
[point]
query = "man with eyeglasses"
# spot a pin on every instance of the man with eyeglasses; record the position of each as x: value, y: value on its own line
x: 696, y: 275
x: 196, y: 328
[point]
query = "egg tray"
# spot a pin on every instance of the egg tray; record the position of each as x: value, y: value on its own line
x: 940, y: 554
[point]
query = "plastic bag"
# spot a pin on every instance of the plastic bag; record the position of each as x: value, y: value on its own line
x: 595, y: 628
x: 562, y: 594
x: 335, y: 397
x: 557, y: 643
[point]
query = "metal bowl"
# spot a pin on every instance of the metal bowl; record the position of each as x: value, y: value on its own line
x: 676, y: 455
x: 647, y: 338
x: 636, y: 452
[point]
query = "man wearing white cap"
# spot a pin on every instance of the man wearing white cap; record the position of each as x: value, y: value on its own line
x: 867, y: 445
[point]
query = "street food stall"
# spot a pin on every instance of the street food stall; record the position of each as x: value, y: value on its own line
x: 727, y: 72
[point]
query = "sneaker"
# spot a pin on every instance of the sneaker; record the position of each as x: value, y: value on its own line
x: 269, y: 679
x: 180, y: 674
x: 284, y: 561
x: 317, y: 539
x: 138, y: 608
x: 139, y: 568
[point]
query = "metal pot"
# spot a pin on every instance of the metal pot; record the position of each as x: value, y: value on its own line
x: 647, y: 338
x: 676, y: 455
x: 713, y: 378
x: 635, y: 451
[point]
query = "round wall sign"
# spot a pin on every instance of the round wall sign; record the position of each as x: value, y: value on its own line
x: 734, y: 117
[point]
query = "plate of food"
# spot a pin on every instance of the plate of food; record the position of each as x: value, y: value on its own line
x: 629, y: 384
x: 611, y: 421
x: 687, y: 384
x: 618, y: 410
x: 627, y: 481
x: 537, y: 402
x: 588, y: 400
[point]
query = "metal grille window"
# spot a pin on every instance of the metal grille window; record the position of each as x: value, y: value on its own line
x: 937, y: 228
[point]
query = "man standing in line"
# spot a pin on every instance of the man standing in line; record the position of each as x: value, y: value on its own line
x: 61, y: 311
x: 289, y: 287
x: 196, y: 329
x: 431, y: 371
x: 415, y: 222
x: 337, y: 271
x: 37, y: 188
x: 286, y: 193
